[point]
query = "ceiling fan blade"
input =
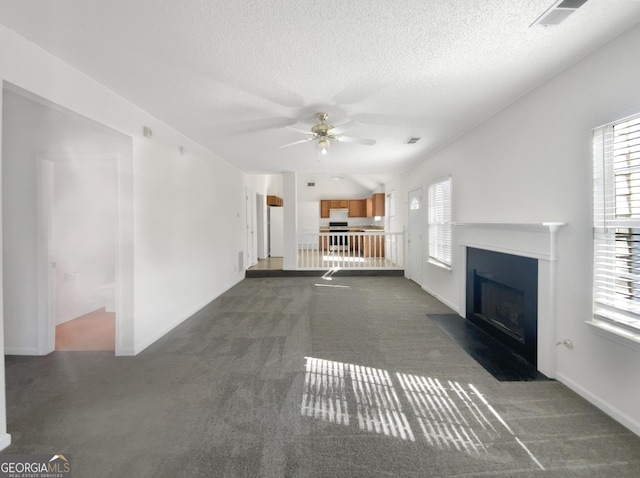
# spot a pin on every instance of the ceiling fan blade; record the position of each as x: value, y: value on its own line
x: 311, y: 138
x: 300, y: 130
x: 364, y: 88
x: 349, y: 139
x: 390, y: 120
x: 342, y: 126
x: 252, y: 126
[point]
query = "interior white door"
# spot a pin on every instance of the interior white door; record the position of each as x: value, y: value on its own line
x: 261, y: 225
x: 252, y: 242
x: 414, y: 236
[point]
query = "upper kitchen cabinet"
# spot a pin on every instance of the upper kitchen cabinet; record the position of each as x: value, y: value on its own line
x: 370, y: 207
x: 275, y: 201
x: 357, y: 208
x: 325, y: 206
x: 374, y: 206
x: 378, y: 204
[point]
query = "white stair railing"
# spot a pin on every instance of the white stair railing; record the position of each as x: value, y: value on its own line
x: 350, y: 250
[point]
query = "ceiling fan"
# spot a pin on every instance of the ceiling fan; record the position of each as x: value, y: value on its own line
x: 324, y: 133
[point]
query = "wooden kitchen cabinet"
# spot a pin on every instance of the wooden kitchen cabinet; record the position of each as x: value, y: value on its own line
x: 325, y: 206
x: 325, y: 243
x: 377, y: 201
x: 356, y: 208
x: 324, y: 240
x: 275, y: 201
x: 369, y: 207
x: 373, y: 245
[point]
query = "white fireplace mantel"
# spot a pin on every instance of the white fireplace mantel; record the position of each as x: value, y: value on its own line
x: 537, y: 240
x: 520, y: 241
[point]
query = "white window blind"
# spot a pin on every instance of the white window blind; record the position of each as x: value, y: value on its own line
x: 616, y: 220
x: 440, y: 222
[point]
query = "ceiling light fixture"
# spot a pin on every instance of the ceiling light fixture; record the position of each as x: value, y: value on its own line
x: 324, y: 147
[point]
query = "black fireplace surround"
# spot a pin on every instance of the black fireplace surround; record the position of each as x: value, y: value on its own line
x: 502, y: 299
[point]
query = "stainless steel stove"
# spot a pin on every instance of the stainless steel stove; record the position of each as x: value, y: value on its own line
x: 339, y: 226
x: 339, y: 238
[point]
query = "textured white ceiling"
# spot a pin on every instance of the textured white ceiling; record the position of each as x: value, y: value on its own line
x: 231, y: 74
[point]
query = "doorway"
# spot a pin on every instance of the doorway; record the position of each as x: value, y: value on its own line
x: 261, y: 225
x: 252, y: 241
x: 414, y: 236
x: 78, y: 201
x: 37, y: 134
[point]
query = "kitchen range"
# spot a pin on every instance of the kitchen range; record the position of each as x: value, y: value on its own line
x: 339, y: 238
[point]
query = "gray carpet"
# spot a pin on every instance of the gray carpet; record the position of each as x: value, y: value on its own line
x: 298, y: 377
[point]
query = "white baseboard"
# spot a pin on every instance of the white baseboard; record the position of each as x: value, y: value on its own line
x: 22, y: 351
x: 155, y: 337
x: 442, y: 299
x: 5, y: 441
x: 606, y: 407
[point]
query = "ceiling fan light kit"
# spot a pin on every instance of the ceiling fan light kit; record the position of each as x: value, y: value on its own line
x: 324, y: 147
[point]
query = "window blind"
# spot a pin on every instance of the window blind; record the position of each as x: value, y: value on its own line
x: 440, y: 221
x: 616, y: 220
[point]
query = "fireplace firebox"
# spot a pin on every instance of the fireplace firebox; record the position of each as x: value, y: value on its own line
x: 502, y: 299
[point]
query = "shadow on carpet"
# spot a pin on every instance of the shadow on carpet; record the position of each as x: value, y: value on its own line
x: 497, y: 359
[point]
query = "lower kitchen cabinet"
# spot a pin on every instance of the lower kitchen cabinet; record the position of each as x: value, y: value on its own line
x: 373, y: 246
x: 368, y: 245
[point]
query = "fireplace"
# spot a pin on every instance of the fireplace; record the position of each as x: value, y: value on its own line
x: 502, y: 298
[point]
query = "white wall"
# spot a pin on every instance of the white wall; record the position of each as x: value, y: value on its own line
x: 266, y: 184
x: 532, y: 163
x: 189, y: 227
x: 327, y: 188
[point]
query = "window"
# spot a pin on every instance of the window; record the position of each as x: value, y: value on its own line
x: 440, y: 222
x: 616, y: 221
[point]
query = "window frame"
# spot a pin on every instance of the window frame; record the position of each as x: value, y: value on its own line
x: 613, y: 315
x: 440, y: 240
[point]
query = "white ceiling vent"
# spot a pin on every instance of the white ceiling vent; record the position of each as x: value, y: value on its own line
x: 558, y: 12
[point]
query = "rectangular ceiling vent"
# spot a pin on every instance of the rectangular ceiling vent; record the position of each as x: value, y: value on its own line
x: 311, y: 185
x: 558, y: 12
x: 412, y: 141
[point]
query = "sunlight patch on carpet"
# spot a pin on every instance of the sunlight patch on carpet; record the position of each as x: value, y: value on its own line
x: 449, y: 416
